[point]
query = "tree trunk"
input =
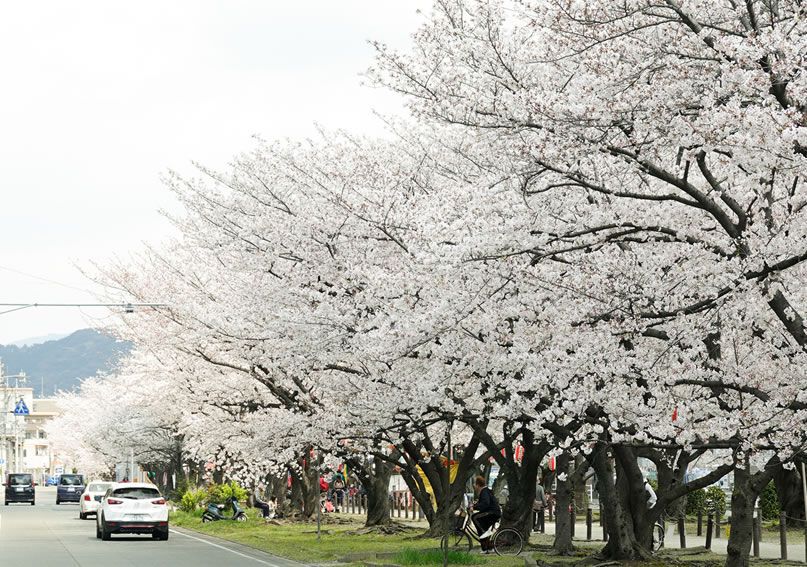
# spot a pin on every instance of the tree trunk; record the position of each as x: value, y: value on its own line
x: 310, y: 490
x: 278, y: 487
x: 790, y: 493
x: 520, y: 478
x: 377, y: 487
x: 747, y: 488
x: 563, y: 499
x: 622, y: 543
x: 296, y: 502
x: 305, y: 485
x: 671, y: 489
x: 434, y: 469
x: 633, y: 498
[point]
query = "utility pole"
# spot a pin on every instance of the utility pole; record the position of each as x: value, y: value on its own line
x: 4, y: 440
x: 11, y: 426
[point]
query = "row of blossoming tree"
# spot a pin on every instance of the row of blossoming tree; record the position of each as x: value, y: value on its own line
x: 587, y: 239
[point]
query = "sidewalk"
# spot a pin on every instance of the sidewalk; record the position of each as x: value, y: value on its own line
x: 767, y: 550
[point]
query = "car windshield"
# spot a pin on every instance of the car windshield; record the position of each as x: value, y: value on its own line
x: 19, y: 479
x: 137, y: 492
x: 98, y: 487
x: 71, y: 480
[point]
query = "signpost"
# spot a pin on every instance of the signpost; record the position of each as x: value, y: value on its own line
x: 21, y: 408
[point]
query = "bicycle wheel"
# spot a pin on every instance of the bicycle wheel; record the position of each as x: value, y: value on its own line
x: 508, y: 542
x: 457, y: 541
x: 658, y: 537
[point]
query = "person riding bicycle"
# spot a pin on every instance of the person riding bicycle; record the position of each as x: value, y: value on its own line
x: 486, y: 512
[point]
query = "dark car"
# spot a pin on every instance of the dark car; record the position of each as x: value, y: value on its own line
x: 69, y: 488
x: 19, y: 488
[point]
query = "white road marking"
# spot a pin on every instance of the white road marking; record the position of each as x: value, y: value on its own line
x: 222, y: 547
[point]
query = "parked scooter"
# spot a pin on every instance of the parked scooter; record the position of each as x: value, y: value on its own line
x: 214, y: 512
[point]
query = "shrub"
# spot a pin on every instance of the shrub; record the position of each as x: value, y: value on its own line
x: 696, y: 502
x: 221, y: 493
x: 716, y: 501
x: 192, y: 499
x: 183, y: 485
x: 769, y: 503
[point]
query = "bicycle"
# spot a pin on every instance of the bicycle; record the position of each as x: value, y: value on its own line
x: 505, y: 541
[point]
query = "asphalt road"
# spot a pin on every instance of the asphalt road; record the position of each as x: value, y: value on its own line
x: 47, y: 535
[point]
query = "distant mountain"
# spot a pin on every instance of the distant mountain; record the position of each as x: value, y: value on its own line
x: 38, y: 340
x: 61, y: 364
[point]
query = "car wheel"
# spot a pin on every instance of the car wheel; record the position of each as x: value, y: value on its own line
x: 33, y: 502
x: 82, y: 516
x: 6, y: 503
x: 97, y: 531
x: 105, y: 535
x: 58, y: 502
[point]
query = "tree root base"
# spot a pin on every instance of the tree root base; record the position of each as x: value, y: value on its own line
x: 383, y: 529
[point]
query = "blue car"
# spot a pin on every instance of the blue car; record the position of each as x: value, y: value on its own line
x: 69, y: 488
x: 52, y: 481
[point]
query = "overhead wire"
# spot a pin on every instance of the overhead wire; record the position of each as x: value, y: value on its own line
x: 48, y: 280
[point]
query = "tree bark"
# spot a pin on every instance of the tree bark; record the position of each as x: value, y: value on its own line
x: 790, y: 493
x: 671, y: 487
x: 562, y: 545
x: 434, y: 469
x: 521, y: 478
x: 278, y: 487
x: 374, y: 475
x: 747, y: 488
x: 378, y: 510
x: 305, y: 484
x: 622, y: 543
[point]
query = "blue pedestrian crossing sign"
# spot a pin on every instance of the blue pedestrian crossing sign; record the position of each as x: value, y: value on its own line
x: 21, y: 408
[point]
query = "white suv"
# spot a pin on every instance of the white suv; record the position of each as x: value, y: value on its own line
x: 132, y: 508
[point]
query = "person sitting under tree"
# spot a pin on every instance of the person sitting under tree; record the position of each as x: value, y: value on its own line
x: 259, y: 502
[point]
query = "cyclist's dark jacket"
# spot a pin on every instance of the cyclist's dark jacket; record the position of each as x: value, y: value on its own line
x: 487, y: 503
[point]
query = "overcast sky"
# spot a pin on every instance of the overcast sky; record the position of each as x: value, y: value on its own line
x: 99, y: 98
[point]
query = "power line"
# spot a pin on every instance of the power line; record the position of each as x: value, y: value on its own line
x: 34, y: 276
x: 127, y: 307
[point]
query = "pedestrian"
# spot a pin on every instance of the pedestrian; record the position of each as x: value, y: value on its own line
x: 338, y: 485
x: 486, y: 513
x: 650, y: 493
x: 538, y: 505
x: 259, y: 502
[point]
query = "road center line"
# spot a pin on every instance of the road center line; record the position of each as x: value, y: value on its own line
x: 222, y: 547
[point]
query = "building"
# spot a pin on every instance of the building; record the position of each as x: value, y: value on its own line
x: 24, y: 446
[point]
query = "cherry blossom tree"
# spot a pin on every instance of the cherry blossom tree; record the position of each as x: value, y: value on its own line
x: 663, y: 138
